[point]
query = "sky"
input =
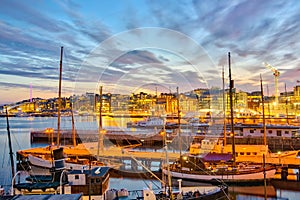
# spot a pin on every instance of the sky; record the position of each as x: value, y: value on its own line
x: 128, y: 46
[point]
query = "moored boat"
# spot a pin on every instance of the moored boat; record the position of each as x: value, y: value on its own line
x: 218, y: 168
x: 214, y: 162
x: 75, y: 158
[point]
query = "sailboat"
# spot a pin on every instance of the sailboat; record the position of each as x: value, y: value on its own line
x: 219, y: 164
x: 167, y: 191
x: 77, y: 156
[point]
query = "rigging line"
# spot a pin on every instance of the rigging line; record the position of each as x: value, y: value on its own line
x: 16, y: 141
x: 144, y: 167
x: 148, y: 185
x: 219, y: 180
x: 4, y: 153
x: 225, y: 193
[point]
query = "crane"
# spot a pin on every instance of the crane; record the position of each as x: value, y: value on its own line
x: 276, y: 74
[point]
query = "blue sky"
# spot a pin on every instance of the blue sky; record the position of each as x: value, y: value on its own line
x: 129, y: 46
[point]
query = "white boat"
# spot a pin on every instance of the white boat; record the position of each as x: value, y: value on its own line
x: 78, y: 165
x: 153, y: 122
x: 273, y: 130
x: 183, y: 193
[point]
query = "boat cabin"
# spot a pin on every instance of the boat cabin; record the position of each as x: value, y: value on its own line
x: 257, y: 130
x: 215, y: 145
x: 94, y: 182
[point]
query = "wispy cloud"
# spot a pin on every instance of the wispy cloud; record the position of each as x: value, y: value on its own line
x: 254, y: 31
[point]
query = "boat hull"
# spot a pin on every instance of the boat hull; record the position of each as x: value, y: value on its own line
x: 255, y: 178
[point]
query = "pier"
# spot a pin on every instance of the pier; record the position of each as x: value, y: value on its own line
x: 118, y: 137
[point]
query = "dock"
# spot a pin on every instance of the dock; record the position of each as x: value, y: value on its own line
x: 118, y: 137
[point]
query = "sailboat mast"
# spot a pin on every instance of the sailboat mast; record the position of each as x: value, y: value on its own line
x: 179, y: 127
x: 10, y: 147
x: 263, y: 111
x: 73, y: 127
x: 59, y: 97
x: 224, y: 108
x: 231, y: 110
x: 100, y: 139
x: 286, y: 105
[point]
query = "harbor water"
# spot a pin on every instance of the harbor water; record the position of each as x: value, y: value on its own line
x: 20, y: 128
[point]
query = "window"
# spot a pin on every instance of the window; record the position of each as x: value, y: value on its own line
x: 270, y: 131
x: 76, y: 177
x: 262, y: 131
x: 248, y: 153
x: 286, y: 132
x: 251, y: 131
x: 278, y: 133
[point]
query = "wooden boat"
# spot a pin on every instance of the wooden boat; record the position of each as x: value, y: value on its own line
x: 218, y: 165
x: 75, y: 157
x: 218, y: 168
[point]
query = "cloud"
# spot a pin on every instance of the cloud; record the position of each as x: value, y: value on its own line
x: 253, y: 31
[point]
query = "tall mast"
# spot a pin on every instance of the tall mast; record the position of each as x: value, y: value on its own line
x: 269, y: 111
x: 231, y: 110
x: 179, y: 131
x: 224, y: 108
x: 286, y: 105
x: 263, y: 111
x: 100, y: 139
x: 10, y: 147
x: 59, y: 97
x: 73, y: 126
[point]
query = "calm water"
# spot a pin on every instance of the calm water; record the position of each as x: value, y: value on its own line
x: 20, y: 128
